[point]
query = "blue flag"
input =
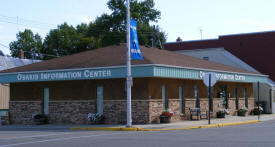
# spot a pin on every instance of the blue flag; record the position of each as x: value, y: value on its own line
x: 134, y: 46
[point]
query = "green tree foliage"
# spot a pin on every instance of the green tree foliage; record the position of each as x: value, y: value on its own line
x: 113, y: 26
x: 66, y: 40
x: 28, y: 42
x: 108, y: 29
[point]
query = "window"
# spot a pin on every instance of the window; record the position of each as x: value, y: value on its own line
x: 164, y: 97
x: 245, y: 97
x: 237, y: 99
x: 46, y: 101
x: 196, y: 96
x: 99, y: 99
x: 182, y: 101
x: 205, y: 58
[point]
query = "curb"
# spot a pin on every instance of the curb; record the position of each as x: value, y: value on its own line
x: 187, y: 128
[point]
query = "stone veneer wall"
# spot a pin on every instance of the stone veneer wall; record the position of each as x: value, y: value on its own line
x: 251, y: 104
x: 21, y: 112
x: 76, y: 112
x: 155, y: 110
x: 232, y: 106
x: 241, y: 103
x: 70, y: 112
x: 143, y: 111
x: 115, y: 111
x: 174, y: 105
x: 204, y: 104
x: 217, y: 105
x: 189, y: 103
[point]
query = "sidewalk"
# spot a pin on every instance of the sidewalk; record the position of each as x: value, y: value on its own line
x: 190, y: 123
x: 186, y: 124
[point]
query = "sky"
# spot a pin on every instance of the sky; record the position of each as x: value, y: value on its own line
x: 188, y: 19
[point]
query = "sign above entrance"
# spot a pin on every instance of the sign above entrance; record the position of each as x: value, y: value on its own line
x: 63, y: 75
x: 226, y: 77
x: 210, y: 76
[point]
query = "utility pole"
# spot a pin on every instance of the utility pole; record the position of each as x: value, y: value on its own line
x: 201, y: 32
x: 129, y: 79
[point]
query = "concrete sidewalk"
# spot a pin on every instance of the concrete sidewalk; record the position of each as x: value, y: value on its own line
x: 172, y: 126
x: 190, y: 123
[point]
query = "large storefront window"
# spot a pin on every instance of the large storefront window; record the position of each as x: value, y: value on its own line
x: 164, y: 97
x: 182, y: 102
x: 223, y: 94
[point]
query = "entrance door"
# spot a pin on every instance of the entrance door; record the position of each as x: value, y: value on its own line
x: 223, y: 95
x: 99, y: 99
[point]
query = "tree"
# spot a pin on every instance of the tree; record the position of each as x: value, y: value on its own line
x: 111, y: 29
x: 28, y: 42
x: 104, y: 31
x: 66, y: 40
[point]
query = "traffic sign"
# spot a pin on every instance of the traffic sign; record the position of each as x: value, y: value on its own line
x: 207, y: 76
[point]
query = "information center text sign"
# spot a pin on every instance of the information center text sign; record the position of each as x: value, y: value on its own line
x: 63, y: 75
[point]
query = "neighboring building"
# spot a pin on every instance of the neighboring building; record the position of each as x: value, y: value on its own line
x: 7, y: 63
x: 70, y: 87
x: 253, y: 52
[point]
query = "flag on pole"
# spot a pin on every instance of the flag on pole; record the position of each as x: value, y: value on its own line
x: 134, y: 46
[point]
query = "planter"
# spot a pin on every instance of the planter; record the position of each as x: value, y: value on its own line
x: 97, y: 122
x: 241, y: 113
x: 220, y: 115
x: 256, y: 112
x: 165, y: 119
x: 41, y: 119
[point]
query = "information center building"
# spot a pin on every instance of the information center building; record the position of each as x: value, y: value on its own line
x: 70, y: 87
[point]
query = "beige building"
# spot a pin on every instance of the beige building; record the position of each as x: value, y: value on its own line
x: 7, y: 63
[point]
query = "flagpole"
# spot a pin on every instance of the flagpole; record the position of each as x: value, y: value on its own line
x: 129, y: 77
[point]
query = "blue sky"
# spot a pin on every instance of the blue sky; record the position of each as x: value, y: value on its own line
x: 180, y: 18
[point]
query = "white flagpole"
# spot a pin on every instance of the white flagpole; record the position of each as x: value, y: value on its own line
x: 129, y: 77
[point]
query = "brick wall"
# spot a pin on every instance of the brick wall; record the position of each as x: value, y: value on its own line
x: 21, y: 112
x: 232, y: 106
x: 70, y: 112
x: 143, y: 111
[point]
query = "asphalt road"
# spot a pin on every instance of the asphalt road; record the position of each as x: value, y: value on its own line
x: 253, y: 135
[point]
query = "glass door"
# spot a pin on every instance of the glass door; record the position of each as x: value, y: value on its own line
x: 223, y: 95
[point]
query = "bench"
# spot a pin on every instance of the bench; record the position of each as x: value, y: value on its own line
x: 195, y: 112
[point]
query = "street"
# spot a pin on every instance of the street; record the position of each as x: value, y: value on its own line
x: 253, y: 135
